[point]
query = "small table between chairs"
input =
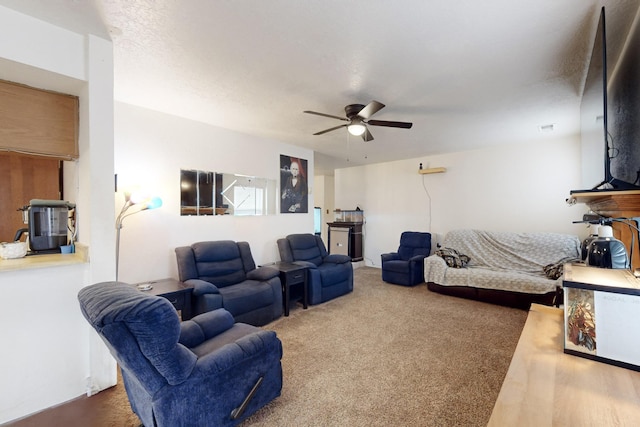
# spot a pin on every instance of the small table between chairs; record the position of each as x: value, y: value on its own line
x: 290, y: 275
x: 177, y: 292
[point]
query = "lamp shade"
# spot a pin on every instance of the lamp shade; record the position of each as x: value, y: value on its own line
x: 356, y: 129
x: 605, y: 251
x: 154, y: 203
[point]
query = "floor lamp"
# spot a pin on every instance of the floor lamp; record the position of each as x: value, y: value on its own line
x: 130, y: 201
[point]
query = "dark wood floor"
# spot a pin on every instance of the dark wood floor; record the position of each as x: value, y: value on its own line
x: 109, y: 408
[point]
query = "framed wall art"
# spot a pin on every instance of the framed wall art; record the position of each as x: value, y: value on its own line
x: 293, y: 185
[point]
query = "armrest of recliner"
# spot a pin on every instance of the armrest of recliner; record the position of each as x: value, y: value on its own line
x: 391, y: 256
x: 202, y: 287
x: 417, y: 257
x: 204, y: 326
x: 231, y: 355
x: 307, y: 264
x: 263, y: 273
x: 337, y: 259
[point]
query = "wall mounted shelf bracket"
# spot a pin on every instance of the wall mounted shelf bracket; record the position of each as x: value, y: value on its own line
x: 432, y: 170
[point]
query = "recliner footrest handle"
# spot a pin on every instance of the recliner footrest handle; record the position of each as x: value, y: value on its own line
x: 237, y: 412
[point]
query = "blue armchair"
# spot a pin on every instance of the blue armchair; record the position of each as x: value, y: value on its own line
x: 406, y: 267
x: 202, y: 372
x: 329, y: 276
x: 224, y: 275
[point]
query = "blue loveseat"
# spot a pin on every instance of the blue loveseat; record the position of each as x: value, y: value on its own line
x: 224, y: 275
x: 206, y: 371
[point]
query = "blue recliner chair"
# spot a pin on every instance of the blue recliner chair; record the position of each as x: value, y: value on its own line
x: 206, y: 371
x: 406, y: 267
x: 224, y: 275
x: 329, y: 276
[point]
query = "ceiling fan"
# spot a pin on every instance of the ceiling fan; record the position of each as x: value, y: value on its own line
x: 358, y: 117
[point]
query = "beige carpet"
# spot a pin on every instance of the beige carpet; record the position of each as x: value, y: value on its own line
x: 384, y: 355
x: 389, y: 355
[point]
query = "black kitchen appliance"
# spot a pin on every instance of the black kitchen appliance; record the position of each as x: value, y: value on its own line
x: 48, y: 224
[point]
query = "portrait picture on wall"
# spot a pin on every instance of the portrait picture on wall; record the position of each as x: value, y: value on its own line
x: 293, y: 185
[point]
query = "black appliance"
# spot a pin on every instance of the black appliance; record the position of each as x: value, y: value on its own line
x: 584, y: 247
x: 48, y: 224
x: 605, y: 251
x: 345, y: 234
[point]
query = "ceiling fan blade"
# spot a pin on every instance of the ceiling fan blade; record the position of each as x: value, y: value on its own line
x: 330, y: 129
x: 367, y: 136
x: 370, y: 109
x: 403, y: 125
x: 326, y: 115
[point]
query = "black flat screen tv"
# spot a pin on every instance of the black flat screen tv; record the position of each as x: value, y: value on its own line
x: 610, y: 116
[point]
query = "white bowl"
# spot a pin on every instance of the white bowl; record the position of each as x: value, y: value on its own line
x: 13, y: 250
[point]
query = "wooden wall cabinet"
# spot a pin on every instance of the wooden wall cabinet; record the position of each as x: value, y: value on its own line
x: 23, y: 178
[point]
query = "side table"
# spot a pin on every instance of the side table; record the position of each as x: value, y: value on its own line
x: 178, y: 294
x: 292, y: 274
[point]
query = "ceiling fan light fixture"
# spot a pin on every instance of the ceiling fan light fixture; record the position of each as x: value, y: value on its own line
x: 358, y: 116
x: 356, y: 129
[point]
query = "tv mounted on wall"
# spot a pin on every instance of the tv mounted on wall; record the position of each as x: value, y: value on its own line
x: 610, y: 116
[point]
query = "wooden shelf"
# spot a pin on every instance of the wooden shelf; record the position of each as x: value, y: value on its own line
x: 610, y: 203
x: 431, y: 170
x: 615, y: 204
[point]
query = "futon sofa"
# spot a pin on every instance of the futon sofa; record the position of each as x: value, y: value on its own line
x: 507, y: 268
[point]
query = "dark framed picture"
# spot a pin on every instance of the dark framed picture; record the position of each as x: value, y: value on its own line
x: 293, y: 185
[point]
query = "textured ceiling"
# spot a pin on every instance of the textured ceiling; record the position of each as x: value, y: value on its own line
x: 468, y: 74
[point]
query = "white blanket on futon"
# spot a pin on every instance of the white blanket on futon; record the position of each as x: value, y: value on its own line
x: 503, y: 260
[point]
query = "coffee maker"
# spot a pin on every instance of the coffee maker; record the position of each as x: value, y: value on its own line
x: 48, y: 224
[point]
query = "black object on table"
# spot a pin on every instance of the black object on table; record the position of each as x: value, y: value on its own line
x: 178, y: 294
x: 292, y: 274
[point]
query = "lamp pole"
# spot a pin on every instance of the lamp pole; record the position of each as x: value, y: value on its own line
x: 149, y: 203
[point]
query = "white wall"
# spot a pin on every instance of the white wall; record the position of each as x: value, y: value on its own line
x: 325, y: 199
x: 150, y: 150
x: 48, y: 349
x: 520, y: 188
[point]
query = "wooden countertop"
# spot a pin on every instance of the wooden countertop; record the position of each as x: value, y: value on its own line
x: 546, y: 387
x: 46, y: 260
